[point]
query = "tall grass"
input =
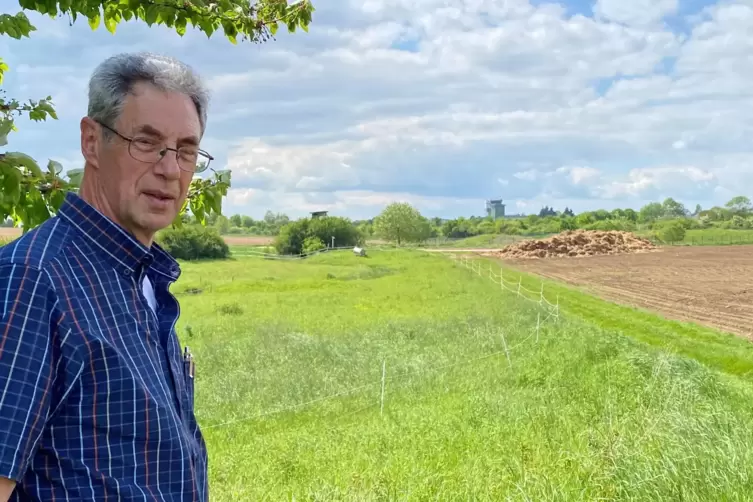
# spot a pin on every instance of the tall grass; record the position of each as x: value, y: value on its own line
x: 289, y: 380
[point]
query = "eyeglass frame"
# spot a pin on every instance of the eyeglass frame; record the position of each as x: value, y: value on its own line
x: 163, y: 151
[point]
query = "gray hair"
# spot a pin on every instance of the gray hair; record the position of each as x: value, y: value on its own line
x: 115, y: 77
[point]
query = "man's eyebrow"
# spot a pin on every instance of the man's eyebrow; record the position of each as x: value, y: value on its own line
x: 153, y: 131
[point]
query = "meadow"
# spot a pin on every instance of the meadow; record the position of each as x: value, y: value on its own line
x: 405, y: 376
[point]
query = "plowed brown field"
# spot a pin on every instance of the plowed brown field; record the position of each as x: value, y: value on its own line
x: 9, y: 233
x: 237, y: 240
x: 707, y: 285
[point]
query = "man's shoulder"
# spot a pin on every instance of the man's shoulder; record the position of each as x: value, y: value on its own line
x: 37, y: 247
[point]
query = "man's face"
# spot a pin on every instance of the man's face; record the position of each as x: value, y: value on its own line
x: 145, y: 197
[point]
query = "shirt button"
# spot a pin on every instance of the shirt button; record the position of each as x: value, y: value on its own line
x: 127, y: 272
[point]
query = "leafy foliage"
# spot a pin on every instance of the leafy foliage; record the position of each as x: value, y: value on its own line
x: 400, y: 223
x: 671, y: 232
x: 303, y: 235
x: 194, y: 242
x: 31, y: 195
x: 312, y: 244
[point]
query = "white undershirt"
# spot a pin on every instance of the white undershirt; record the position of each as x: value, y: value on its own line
x: 148, y: 290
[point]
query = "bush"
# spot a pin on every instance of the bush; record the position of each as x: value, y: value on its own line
x: 312, y: 244
x: 194, y: 242
x: 621, y: 224
x: 671, y: 232
x: 294, y: 235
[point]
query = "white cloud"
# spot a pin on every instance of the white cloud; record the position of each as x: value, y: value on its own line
x: 635, y: 12
x: 448, y: 103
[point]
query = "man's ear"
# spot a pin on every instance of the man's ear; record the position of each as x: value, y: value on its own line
x: 91, y: 139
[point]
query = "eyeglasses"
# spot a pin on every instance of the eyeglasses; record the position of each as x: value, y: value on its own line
x: 148, y: 149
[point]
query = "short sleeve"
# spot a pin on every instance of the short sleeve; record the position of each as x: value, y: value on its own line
x: 27, y: 303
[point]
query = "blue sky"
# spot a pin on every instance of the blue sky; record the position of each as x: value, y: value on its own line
x: 582, y: 104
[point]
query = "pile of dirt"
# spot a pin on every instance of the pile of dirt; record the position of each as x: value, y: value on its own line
x: 574, y: 243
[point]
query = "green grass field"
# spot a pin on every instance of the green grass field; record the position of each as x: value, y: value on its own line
x: 605, y: 404
x: 718, y: 237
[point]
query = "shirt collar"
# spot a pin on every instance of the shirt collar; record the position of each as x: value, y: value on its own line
x: 118, y: 246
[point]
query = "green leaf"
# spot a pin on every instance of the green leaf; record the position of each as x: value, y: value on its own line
x: 152, y: 13
x: 57, y: 198
x: 180, y: 24
x: 3, y: 68
x: 94, y: 21
x: 224, y: 176
x: 47, y: 107
x: 54, y: 167
x: 6, y: 126
x: 21, y: 159
x: 110, y: 23
x: 75, y: 176
x: 197, y: 208
x: 10, y: 180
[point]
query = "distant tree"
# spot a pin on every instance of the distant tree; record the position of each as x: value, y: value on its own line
x: 400, y: 222
x: 650, y: 212
x: 458, y: 228
x: 236, y: 220
x: 698, y: 210
x: 486, y: 227
x: 584, y: 219
x: 617, y: 214
x: 739, y: 205
x: 601, y: 215
x: 631, y: 215
x: 673, y: 209
x: 547, y: 211
x: 194, y: 242
x: 247, y: 222
x: 568, y: 212
x: 305, y: 234
x: 222, y: 224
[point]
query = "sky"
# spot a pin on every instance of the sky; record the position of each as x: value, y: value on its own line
x: 443, y: 103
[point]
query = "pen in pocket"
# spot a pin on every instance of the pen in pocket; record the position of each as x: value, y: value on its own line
x: 189, y: 369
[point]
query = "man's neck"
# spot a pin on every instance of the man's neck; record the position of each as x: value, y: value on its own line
x: 90, y: 192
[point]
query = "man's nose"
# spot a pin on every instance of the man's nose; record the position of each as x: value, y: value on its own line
x: 168, y: 165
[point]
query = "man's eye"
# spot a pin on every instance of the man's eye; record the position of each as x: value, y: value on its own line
x: 146, y: 145
x: 188, y: 154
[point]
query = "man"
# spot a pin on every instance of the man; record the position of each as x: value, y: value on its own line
x: 95, y: 397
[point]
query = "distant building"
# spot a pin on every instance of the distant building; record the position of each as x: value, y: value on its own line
x: 318, y: 214
x: 495, y: 209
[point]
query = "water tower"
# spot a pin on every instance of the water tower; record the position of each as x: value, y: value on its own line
x: 495, y: 209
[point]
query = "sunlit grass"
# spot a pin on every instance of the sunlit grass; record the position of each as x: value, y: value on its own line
x: 587, y: 412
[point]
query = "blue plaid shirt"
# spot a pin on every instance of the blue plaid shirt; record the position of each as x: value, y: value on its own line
x: 95, y: 399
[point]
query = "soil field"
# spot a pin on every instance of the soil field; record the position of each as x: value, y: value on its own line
x: 707, y: 285
x: 248, y: 240
x: 236, y: 240
x: 9, y: 232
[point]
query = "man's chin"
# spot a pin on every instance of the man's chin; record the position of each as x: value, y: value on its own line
x: 154, y: 222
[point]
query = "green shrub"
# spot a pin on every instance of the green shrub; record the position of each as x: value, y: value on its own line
x: 312, y: 244
x: 672, y: 231
x: 622, y: 224
x: 194, y: 242
x: 293, y: 236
